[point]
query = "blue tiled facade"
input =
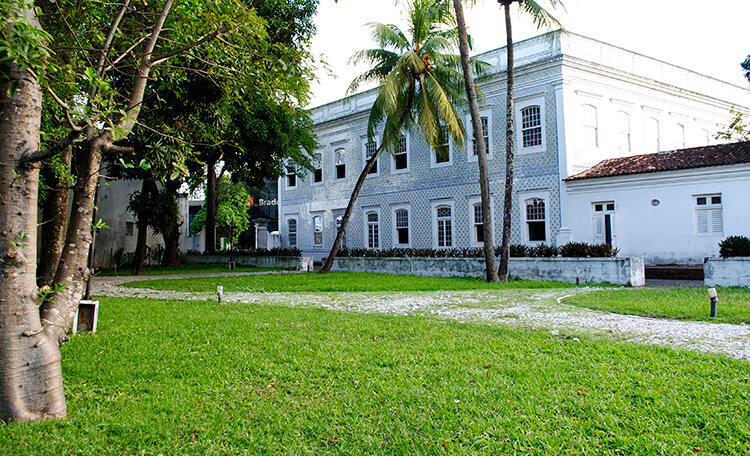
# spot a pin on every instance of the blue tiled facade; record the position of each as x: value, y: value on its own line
x: 541, y: 81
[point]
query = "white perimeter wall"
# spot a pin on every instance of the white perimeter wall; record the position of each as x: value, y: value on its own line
x: 663, y: 233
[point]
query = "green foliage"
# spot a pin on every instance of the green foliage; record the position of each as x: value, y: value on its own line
x: 518, y: 250
x: 544, y: 251
x: 737, y: 130
x: 233, y: 218
x: 22, y: 43
x: 671, y: 303
x: 602, y: 251
x: 735, y: 246
x: 193, y: 378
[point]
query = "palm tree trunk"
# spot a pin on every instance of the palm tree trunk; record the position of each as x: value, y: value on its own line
x: 476, y: 121
x: 509, y: 154
x: 349, y: 209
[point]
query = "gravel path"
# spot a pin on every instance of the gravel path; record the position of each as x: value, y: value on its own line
x: 538, y: 309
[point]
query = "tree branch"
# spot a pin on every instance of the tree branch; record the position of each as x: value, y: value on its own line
x: 204, y: 39
x: 56, y: 148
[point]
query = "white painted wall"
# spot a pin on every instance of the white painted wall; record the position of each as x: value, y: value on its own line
x: 663, y: 233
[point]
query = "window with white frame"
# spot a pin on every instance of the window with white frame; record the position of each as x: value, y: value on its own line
x: 339, y: 163
x: 678, y: 136
x: 291, y: 230
x: 477, y: 220
x: 604, y: 222
x: 318, y: 169
x: 441, y: 153
x: 653, y: 140
x: 291, y: 174
x: 589, y: 127
x: 370, y: 147
x: 485, y: 134
x: 443, y: 214
x: 709, y: 217
x: 373, y: 229
x: 339, y: 222
x: 401, y: 235
x: 536, y: 220
x: 622, y: 131
x: 400, y: 161
x: 531, y: 126
x: 317, y: 231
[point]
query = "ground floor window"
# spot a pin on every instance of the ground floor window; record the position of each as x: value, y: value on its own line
x: 444, y: 226
x: 318, y: 231
x: 401, y: 218
x: 536, y: 222
x: 709, y: 216
x: 292, y: 232
x: 604, y: 216
x: 373, y: 230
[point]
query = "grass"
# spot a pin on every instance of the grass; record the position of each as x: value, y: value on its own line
x: 184, y: 269
x: 673, y: 303
x: 336, y: 282
x: 196, y: 378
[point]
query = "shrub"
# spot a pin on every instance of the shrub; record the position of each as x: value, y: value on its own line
x: 575, y: 250
x: 544, y: 251
x: 735, y: 246
x: 602, y: 251
x: 519, y: 250
x: 275, y: 252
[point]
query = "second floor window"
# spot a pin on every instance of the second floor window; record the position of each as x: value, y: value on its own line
x: 401, y: 155
x: 370, y: 149
x: 531, y: 126
x: 340, y: 163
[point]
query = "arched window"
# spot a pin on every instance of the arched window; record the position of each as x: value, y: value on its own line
x: 444, y: 224
x: 373, y: 230
x: 292, y: 232
x: 317, y: 231
x: 536, y: 221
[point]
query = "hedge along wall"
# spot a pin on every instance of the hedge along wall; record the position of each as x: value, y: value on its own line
x: 301, y: 263
x: 623, y: 271
x: 727, y: 272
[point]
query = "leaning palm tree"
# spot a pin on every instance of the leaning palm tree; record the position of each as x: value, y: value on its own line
x: 420, y: 82
x: 542, y: 19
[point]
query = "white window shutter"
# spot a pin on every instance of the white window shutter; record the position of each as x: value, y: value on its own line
x: 702, y: 224
x: 717, y: 221
x: 598, y: 229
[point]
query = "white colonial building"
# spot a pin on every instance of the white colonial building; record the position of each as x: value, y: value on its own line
x: 578, y: 102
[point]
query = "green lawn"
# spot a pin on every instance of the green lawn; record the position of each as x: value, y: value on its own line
x: 177, y: 378
x: 336, y: 282
x: 675, y: 303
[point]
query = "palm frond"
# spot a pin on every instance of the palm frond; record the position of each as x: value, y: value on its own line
x: 541, y: 18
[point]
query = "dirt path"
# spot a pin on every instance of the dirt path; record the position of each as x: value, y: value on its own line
x: 538, y: 309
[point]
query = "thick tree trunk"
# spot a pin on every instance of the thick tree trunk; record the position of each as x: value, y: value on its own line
x: 149, y: 191
x: 211, y: 207
x: 476, y: 121
x: 54, y: 223
x: 171, y: 248
x: 509, y: 154
x: 31, y: 385
x: 349, y: 209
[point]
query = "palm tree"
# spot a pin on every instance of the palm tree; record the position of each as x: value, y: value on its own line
x: 476, y: 122
x: 420, y: 83
x: 542, y: 19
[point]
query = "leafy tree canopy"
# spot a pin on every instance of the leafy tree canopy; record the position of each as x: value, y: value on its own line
x: 233, y: 218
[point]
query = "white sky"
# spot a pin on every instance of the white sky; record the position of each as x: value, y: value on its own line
x: 707, y: 37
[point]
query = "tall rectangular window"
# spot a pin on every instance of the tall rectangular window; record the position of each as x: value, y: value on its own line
x: 653, y: 140
x: 402, y: 226
x: 370, y: 149
x: 317, y: 231
x: 444, y: 225
x: 604, y: 217
x: 373, y: 230
x: 589, y: 127
x: 622, y: 131
x: 536, y: 223
x: 531, y: 126
x: 401, y: 155
x: 292, y: 232
x: 478, y: 223
x: 340, y: 163
x: 485, y: 134
x: 709, y: 216
x: 339, y: 222
x: 291, y: 174
x: 442, y: 150
x: 318, y: 169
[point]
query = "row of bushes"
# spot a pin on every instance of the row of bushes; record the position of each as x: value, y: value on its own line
x: 735, y: 246
x: 274, y: 252
x: 570, y: 250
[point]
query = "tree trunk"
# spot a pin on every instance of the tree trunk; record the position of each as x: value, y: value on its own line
x: 349, y: 209
x: 211, y: 207
x: 31, y: 385
x: 148, y: 192
x: 509, y: 154
x: 54, y: 223
x: 476, y: 121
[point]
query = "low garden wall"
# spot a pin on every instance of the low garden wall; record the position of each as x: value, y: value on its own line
x: 623, y: 271
x: 301, y: 263
x: 727, y: 272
